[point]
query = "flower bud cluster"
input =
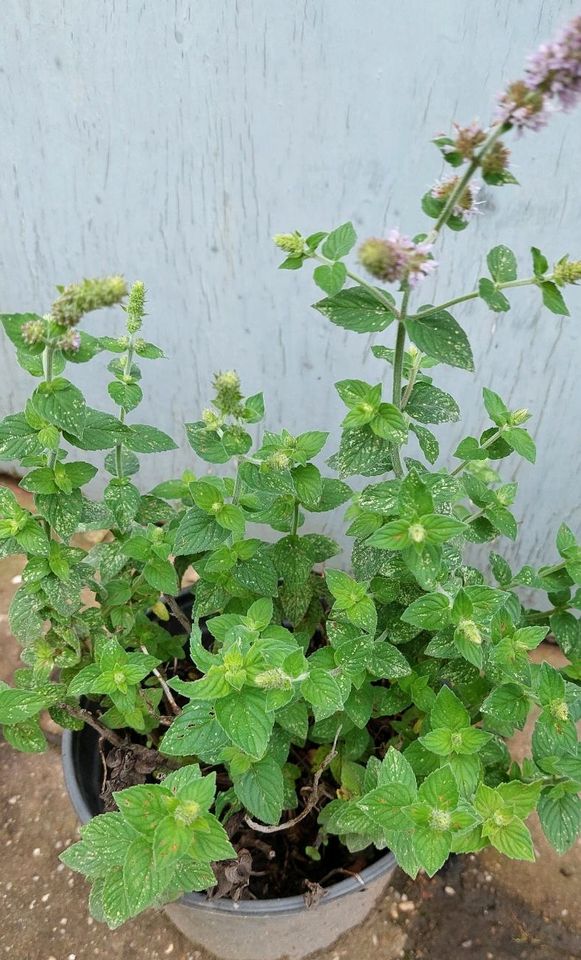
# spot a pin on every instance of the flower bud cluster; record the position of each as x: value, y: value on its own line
x: 552, y: 80
x: 466, y: 204
x: 228, y: 395
x: 69, y: 340
x: 291, y: 243
x: 33, y: 332
x: 136, y: 307
x: 397, y: 258
x: 80, y: 298
x: 567, y: 271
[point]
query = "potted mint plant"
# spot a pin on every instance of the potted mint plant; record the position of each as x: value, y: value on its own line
x: 277, y: 736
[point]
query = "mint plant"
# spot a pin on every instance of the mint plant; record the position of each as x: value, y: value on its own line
x: 334, y: 711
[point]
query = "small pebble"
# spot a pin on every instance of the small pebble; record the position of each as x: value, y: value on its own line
x: 564, y: 912
x: 374, y: 940
x: 467, y: 944
x: 36, y: 852
x: 45, y: 897
x: 407, y: 906
x: 450, y: 891
x: 169, y: 949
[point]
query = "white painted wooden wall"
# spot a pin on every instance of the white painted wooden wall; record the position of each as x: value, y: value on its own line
x: 170, y: 140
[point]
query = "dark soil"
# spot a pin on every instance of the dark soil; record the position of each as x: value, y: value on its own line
x: 271, y: 864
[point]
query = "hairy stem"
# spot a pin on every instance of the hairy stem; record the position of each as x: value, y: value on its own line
x: 166, y: 690
x: 52, y: 455
x: 295, y: 520
x: 487, y: 443
x: 178, y: 613
x: 398, y: 358
x: 119, y: 445
x: 474, y: 294
x: 415, y: 369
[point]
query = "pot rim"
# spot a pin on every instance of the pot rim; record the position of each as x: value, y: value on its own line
x: 280, y: 905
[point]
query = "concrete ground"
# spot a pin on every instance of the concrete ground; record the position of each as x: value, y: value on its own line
x: 482, y: 908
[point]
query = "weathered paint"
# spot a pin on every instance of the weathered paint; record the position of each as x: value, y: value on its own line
x: 169, y: 141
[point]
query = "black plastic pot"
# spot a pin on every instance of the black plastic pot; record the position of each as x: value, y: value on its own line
x: 250, y: 929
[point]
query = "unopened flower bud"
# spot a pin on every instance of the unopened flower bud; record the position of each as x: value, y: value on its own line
x: 33, y: 331
x: 70, y: 340
x: 560, y: 710
x: 417, y: 533
x: 279, y: 460
x: 519, y: 416
x: 440, y: 820
x: 471, y: 632
x: 275, y: 679
x: 228, y: 396
x: 212, y: 420
x: 80, y: 298
x: 291, y: 243
x: 567, y: 271
x: 136, y: 307
x: 160, y: 610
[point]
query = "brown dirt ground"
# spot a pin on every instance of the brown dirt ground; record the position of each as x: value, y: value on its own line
x: 482, y: 908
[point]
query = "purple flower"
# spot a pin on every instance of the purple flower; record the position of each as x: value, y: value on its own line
x: 466, y: 205
x: 552, y: 79
x: 522, y: 107
x: 555, y: 69
x: 397, y: 258
x: 70, y: 340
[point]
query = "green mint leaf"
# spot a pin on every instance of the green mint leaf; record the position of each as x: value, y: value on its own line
x: 144, y: 439
x: 245, y: 720
x: 560, y: 816
x: 429, y: 404
x: 540, y: 262
x: 502, y: 264
x: 339, y: 242
x: 442, y: 338
x: 261, y: 790
x: 125, y: 395
x: 431, y: 612
x: 356, y: 309
x: 495, y: 407
x: 330, y: 277
x: 553, y: 298
x: 449, y: 712
x: 493, y: 297
x: 520, y: 440
x: 61, y: 404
